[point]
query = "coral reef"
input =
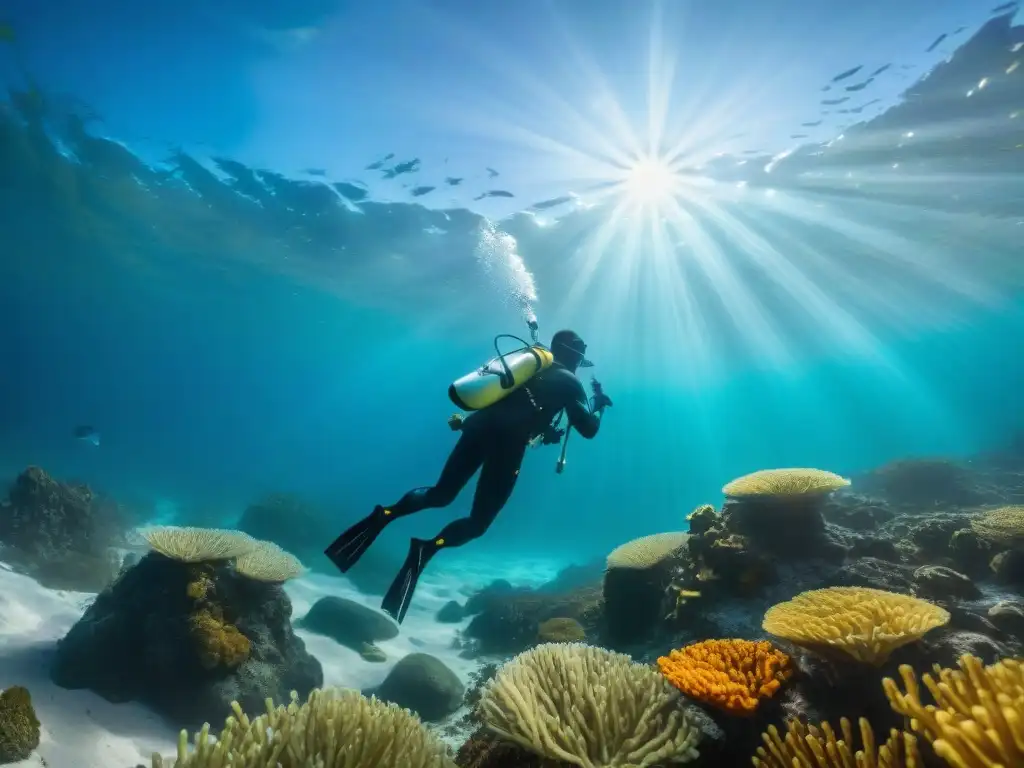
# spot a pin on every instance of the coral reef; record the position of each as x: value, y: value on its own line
x: 63, y: 535
x: 507, y: 621
x: 637, y: 576
x: 332, y: 728
x: 19, y: 727
x: 188, y: 636
x: 853, y: 589
x: 423, y: 684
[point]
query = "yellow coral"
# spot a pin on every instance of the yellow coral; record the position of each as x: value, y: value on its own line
x: 808, y: 746
x: 977, y: 720
x: 220, y: 643
x: 340, y: 728
x: 647, y: 551
x: 784, y: 483
x: 200, y: 583
x: 19, y: 727
x: 732, y: 675
x: 560, y: 630
x: 1004, y: 525
x: 865, y: 624
x: 701, y: 511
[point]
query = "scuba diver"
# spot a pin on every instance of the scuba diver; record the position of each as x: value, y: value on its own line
x: 518, y: 399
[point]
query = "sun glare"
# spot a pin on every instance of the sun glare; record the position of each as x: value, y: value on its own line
x: 650, y: 181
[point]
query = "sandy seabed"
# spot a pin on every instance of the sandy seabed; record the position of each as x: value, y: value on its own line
x: 82, y: 730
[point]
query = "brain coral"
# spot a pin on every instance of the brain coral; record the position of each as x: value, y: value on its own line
x: 784, y: 483
x: 805, y: 746
x: 865, y: 624
x: 977, y: 720
x: 590, y: 707
x: 732, y: 675
x: 1004, y: 525
x: 338, y: 728
x: 647, y: 551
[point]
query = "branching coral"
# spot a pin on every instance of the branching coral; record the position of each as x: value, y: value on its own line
x: 977, y: 720
x: 334, y: 728
x: 732, y: 675
x: 19, y: 727
x: 195, y: 545
x: 589, y: 707
x: 784, y: 483
x: 219, y: 643
x: 865, y: 624
x: 1004, y: 526
x: 647, y: 551
x: 808, y: 746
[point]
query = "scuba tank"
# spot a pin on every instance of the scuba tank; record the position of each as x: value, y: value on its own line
x: 500, y: 376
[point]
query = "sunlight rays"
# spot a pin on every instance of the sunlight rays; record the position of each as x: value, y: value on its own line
x: 678, y: 230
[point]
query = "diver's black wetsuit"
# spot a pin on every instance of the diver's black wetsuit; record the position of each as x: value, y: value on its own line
x: 494, y: 441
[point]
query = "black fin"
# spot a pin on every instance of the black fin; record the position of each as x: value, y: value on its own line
x: 346, y: 550
x: 397, y: 600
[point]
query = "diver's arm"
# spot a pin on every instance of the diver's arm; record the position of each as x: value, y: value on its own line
x: 577, y: 409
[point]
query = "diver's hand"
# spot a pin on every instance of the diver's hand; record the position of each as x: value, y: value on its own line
x: 602, y: 401
x: 455, y: 422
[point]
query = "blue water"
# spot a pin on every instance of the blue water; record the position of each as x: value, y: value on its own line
x: 232, y: 335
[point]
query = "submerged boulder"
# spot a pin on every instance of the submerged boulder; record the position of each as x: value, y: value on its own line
x: 187, y: 640
x: 424, y: 684
x: 348, y: 623
x: 61, y: 534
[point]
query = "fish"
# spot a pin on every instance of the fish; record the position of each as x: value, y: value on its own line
x: 87, y: 434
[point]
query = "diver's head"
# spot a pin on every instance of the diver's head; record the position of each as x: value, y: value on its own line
x: 569, y: 349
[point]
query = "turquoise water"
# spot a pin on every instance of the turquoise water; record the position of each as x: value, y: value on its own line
x: 232, y: 335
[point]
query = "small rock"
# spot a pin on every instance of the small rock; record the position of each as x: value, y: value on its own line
x: 939, y: 582
x: 970, y: 552
x: 372, y: 653
x: 498, y: 588
x: 451, y: 613
x: 347, y: 622
x: 1008, y: 615
x: 423, y: 683
x: 874, y: 546
x: 879, y: 574
x: 1008, y: 567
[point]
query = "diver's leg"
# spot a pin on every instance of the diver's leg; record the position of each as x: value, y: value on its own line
x: 464, y: 460
x: 493, y: 489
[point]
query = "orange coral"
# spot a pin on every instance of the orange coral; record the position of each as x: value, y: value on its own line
x: 732, y: 675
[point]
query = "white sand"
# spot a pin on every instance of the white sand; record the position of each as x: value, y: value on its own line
x: 82, y: 730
